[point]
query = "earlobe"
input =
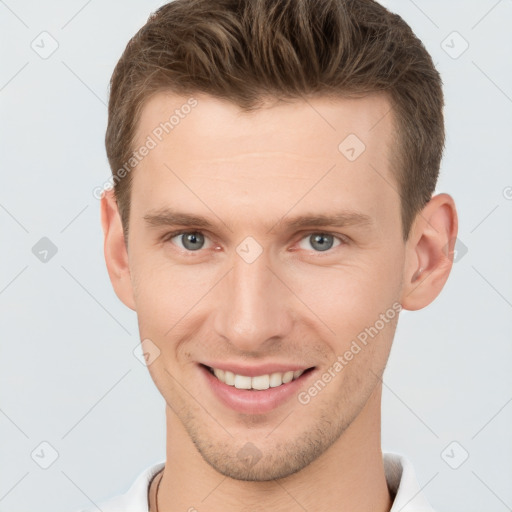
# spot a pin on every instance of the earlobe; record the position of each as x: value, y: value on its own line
x: 429, y: 255
x: 116, y: 253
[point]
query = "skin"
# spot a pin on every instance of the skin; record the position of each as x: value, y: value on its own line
x: 295, y: 303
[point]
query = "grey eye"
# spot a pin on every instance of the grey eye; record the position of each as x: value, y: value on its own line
x: 191, y: 241
x: 320, y: 241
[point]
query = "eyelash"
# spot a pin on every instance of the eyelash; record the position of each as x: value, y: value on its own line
x: 342, y: 239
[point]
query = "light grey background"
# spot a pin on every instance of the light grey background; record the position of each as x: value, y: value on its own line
x: 68, y: 375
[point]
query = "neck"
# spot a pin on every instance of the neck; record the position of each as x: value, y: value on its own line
x: 349, y: 476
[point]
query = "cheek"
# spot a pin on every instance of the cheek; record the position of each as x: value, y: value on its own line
x: 347, y: 298
x: 168, y: 296
x: 157, y: 293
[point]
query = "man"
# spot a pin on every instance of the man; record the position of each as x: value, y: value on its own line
x: 274, y: 164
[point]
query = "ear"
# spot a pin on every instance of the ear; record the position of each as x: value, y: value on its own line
x: 115, y: 250
x: 429, y: 252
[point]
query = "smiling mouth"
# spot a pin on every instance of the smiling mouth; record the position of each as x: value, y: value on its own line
x: 258, y: 382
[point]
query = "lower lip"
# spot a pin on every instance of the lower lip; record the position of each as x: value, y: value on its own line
x: 254, y: 401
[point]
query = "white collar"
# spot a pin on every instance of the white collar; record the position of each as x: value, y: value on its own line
x: 399, y: 472
x: 402, y: 483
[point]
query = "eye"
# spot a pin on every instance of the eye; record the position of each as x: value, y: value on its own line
x: 194, y: 241
x: 321, y: 242
x: 190, y: 240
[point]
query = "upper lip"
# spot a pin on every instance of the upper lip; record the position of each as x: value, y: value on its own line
x: 254, y: 370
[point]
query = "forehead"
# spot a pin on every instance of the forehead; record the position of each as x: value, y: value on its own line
x: 320, y: 124
x: 321, y: 151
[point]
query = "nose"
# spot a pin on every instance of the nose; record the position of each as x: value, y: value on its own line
x: 254, y: 308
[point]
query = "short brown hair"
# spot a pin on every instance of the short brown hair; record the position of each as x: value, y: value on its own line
x: 248, y: 50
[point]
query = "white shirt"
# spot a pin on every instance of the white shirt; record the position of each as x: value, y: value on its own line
x: 399, y: 472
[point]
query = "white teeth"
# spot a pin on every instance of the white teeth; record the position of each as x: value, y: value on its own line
x: 242, y: 382
x: 287, y: 377
x: 260, y: 382
x: 276, y: 379
x: 229, y: 378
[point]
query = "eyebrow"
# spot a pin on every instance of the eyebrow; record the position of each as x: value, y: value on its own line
x: 344, y: 218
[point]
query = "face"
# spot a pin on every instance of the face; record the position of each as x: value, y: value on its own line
x: 262, y: 244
